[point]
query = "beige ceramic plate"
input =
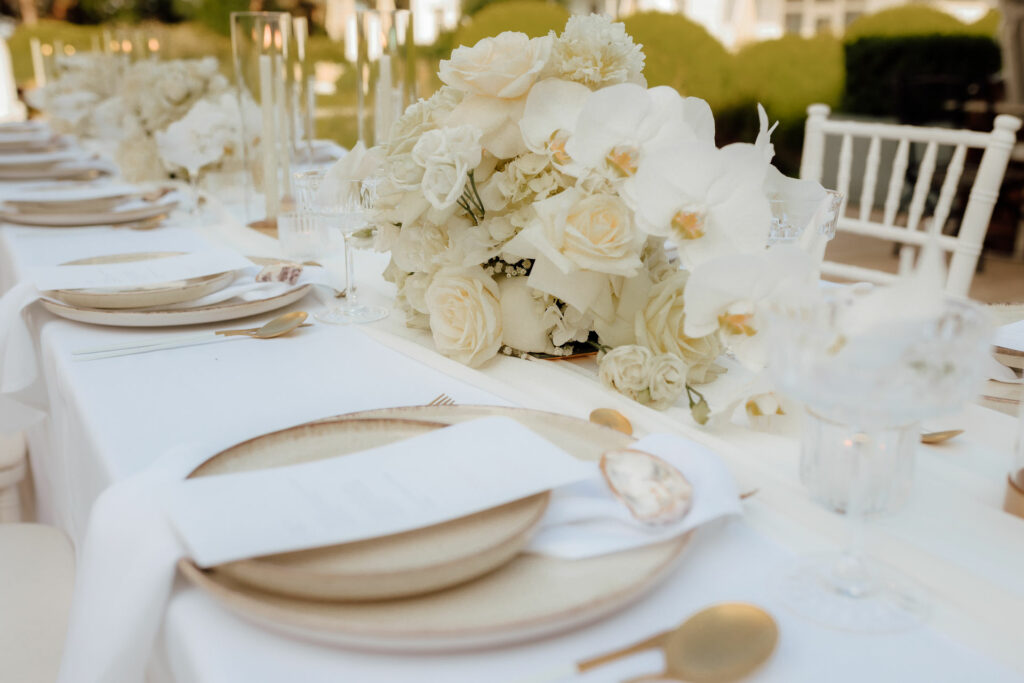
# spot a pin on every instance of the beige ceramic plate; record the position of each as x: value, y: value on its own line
x: 394, y: 566
x: 530, y: 597
x: 201, y: 315
x: 76, y: 219
x: 163, y: 294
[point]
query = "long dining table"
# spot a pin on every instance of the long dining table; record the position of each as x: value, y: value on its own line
x: 93, y: 423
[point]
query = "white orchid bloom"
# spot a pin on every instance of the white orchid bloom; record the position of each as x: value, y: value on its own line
x: 730, y: 295
x: 707, y: 201
x: 621, y: 124
x: 552, y: 108
x: 763, y: 141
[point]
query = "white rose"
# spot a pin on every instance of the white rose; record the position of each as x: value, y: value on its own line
x: 465, y: 315
x: 404, y: 172
x: 505, y: 66
x: 524, y: 325
x: 594, y: 233
x: 442, y: 184
x: 456, y: 145
x: 659, y: 327
x: 668, y: 379
x: 414, y: 289
x: 627, y: 370
x: 418, y: 247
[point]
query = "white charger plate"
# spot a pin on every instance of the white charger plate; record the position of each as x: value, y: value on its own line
x: 65, y: 171
x: 214, y: 313
x: 31, y: 160
x: 528, y: 598
x: 162, y: 294
x: 76, y: 219
x: 58, y: 194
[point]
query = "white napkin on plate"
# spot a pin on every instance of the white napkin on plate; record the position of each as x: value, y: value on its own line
x: 245, y: 288
x: 127, y: 561
x: 586, y: 520
x: 1010, y: 336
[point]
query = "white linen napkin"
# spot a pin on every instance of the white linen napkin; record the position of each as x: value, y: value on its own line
x: 17, y: 350
x: 1010, y: 336
x: 245, y: 288
x: 413, y: 483
x: 585, y: 519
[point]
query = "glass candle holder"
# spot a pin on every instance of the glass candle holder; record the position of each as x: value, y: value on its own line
x: 260, y: 45
x: 380, y: 45
x: 303, y: 93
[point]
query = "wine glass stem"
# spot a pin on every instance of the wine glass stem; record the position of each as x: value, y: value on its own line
x: 850, y: 574
x: 350, y: 280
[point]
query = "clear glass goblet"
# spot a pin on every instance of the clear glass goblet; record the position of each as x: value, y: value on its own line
x: 875, y: 382
x: 342, y: 210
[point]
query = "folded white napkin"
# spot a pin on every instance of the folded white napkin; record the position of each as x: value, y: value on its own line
x: 1010, y: 336
x: 586, y: 520
x: 245, y: 288
x: 414, y: 483
x: 127, y: 562
x: 17, y: 349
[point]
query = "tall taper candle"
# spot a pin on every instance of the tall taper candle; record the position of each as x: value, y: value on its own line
x: 38, y: 70
x: 268, y: 139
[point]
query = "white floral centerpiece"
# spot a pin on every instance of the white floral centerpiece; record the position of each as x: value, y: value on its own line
x: 531, y: 205
x: 74, y: 98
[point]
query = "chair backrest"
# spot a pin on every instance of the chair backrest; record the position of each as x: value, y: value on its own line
x: 902, y: 143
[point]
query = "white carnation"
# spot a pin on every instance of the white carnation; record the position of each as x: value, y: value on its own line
x: 597, y: 52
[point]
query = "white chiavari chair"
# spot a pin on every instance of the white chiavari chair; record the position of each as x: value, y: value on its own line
x: 909, y: 226
x: 37, y: 573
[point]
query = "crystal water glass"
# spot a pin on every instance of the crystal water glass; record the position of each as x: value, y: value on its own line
x: 341, y: 212
x: 867, y: 387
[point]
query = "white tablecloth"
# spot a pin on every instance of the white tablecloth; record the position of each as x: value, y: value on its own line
x: 109, y: 418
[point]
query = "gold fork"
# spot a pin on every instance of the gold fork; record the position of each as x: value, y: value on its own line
x: 442, y: 400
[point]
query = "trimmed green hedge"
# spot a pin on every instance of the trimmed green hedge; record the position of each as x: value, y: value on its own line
x: 533, y: 18
x: 917, y: 20
x: 915, y: 75
x: 682, y: 54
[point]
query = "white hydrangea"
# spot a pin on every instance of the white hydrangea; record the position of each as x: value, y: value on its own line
x: 597, y: 52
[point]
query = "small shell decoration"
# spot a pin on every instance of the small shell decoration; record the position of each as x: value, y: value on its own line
x: 654, y: 491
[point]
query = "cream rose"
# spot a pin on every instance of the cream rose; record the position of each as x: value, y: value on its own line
x: 419, y: 247
x: 580, y: 232
x: 627, y: 370
x: 443, y: 184
x: 659, y: 327
x: 505, y: 66
x: 465, y: 314
x: 667, y: 381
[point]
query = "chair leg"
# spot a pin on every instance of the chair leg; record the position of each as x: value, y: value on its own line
x: 10, y: 504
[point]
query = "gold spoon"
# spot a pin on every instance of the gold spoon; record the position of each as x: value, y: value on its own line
x: 607, y: 417
x: 277, y: 327
x: 721, y: 643
x: 932, y: 438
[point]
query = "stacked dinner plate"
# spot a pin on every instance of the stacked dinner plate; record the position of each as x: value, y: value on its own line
x: 458, y: 585
x: 192, y: 301
x: 31, y: 151
x: 74, y: 204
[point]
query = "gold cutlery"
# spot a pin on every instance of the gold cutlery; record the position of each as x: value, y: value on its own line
x: 613, y: 419
x: 277, y: 327
x: 442, y: 400
x: 721, y: 643
x: 932, y: 438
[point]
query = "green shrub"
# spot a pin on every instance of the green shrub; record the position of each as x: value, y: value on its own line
x: 916, y: 20
x: 880, y: 73
x: 214, y: 14
x: 788, y: 74
x: 471, y: 7
x: 535, y: 19
x: 682, y: 54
